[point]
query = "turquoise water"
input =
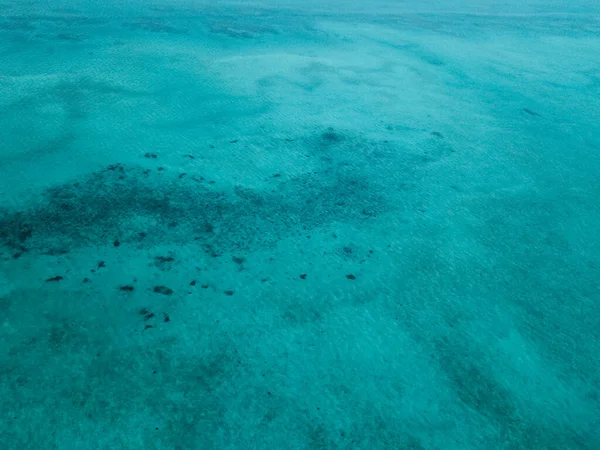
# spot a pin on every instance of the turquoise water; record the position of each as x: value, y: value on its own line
x: 293, y: 225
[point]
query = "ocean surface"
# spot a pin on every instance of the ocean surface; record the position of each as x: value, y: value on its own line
x: 299, y: 225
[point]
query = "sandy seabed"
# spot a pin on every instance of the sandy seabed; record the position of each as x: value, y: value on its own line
x: 350, y: 225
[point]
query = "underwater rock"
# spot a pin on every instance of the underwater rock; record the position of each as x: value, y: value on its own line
x: 163, y: 290
x: 163, y: 259
x: 331, y: 137
x: 56, y: 278
x: 164, y: 263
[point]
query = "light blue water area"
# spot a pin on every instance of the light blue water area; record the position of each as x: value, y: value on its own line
x: 299, y: 225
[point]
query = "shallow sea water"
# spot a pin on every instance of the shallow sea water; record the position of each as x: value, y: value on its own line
x: 296, y: 225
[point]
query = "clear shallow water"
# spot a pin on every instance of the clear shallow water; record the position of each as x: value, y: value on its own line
x: 311, y: 227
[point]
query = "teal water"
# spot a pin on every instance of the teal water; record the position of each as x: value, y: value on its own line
x: 299, y: 225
